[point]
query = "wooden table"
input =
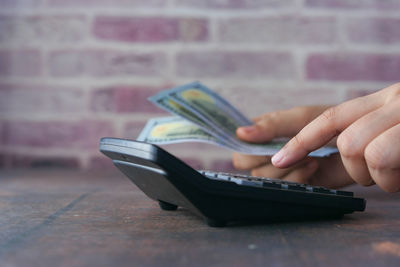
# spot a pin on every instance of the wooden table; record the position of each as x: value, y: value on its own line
x: 69, y: 218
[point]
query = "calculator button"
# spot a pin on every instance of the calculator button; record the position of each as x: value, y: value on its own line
x: 271, y: 184
x: 255, y: 181
x: 296, y: 187
x: 344, y: 193
x: 323, y: 190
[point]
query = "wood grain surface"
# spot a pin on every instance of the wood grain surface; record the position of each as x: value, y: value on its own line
x: 69, y: 218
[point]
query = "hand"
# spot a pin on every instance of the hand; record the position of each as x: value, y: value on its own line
x: 368, y: 131
x: 327, y: 172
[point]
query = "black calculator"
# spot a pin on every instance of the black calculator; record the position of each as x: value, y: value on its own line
x: 222, y: 198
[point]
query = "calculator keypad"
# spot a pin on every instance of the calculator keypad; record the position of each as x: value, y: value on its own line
x: 264, y: 182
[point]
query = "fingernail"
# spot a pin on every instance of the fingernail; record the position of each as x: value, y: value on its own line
x: 248, y: 129
x: 278, y: 157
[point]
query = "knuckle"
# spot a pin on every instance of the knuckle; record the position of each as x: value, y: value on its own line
x: 396, y: 87
x: 330, y: 114
x: 375, y: 156
x: 393, y: 92
x: 268, y: 124
x: 346, y: 145
x: 266, y: 120
x: 299, y: 141
x: 269, y: 118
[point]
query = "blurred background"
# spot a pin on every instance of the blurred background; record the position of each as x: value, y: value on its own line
x: 72, y: 71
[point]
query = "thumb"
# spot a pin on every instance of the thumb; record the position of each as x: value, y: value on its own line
x: 285, y: 123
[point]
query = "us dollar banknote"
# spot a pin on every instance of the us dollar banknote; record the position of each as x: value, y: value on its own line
x: 205, y: 116
x: 169, y: 130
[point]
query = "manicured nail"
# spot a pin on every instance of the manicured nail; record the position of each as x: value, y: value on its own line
x: 248, y: 129
x: 278, y: 157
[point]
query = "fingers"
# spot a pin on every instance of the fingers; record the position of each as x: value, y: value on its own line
x: 383, y: 159
x: 325, y: 127
x: 270, y: 171
x: 303, y: 174
x: 331, y: 173
x: 278, y: 124
x: 261, y: 166
x: 353, y: 141
x: 247, y: 162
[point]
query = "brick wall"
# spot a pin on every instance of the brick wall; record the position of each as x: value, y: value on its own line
x: 72, y: 71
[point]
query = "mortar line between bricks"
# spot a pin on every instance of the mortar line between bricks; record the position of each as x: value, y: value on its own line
x: 343, y: 41
x: 19, y: 239
x: 300, y: 5
x: 180, y: 11
x: 212, y: 45
x: 54, y: 151
x: 170, y: 4
x: 210, y: 81
x: 70, y: 117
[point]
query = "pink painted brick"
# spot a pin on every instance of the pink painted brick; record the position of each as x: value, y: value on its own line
x: 20, y: 3
x: 281, y: 30
x: 106, y: 3
x: 220, y: 64
x: 2, y: 132
x: 25, y: 98
x: 311, y: 97
x: 40, y: 29
x: 234, y: 4
x: 373, y: 30
x: 124, y: 99
x: 46, y: 134
x: 20, y: 63
x: 133, y: 129
x: 103, y: 63
x: 150, y: 29
x: 370, y: 4
x: 353, y: 67
x: 254, y: 102
x: 3, y: 161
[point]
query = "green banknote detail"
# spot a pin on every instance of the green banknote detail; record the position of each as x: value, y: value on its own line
x: 180, y: 110
x: 209, y: 107
x: 221, y: 117
x: 167, y: 102
x: 173, y: 129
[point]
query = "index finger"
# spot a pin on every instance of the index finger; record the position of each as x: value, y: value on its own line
x: 325, y: 127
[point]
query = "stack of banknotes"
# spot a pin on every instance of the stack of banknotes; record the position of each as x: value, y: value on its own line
x: 201, y: 115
